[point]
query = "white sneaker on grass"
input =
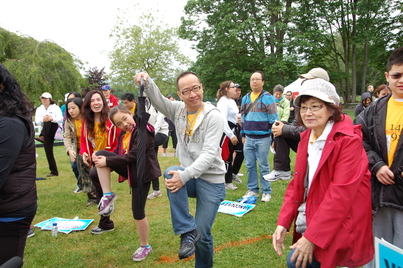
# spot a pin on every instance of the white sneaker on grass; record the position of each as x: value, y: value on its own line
x: 277, y: 175
x: 230, y: 186
x: 250, y: 193
x: 154, y: 194
x: 236, y: 179
x: 266, y: 197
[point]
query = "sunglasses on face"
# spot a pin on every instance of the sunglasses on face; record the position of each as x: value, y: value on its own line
x: 396, y: 75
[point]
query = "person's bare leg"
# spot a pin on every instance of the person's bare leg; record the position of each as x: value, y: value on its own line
x: 104, y: 175
x: 142, y: 230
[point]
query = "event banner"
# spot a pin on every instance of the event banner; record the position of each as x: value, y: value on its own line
x: 387, y: 255
x: 235, y: 208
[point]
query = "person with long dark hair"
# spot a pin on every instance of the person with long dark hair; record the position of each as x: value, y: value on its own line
x: 226, y: 104
x: 49, y: 116
x: 98, y: 133
x: 72, y: 137
x: 18, y: 167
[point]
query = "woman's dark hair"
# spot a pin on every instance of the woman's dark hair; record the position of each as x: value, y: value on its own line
x: 337, y: 115
x: 75, y: 93
x: 77, y: 101
x: 119, y: 108
x: 222, y: 92
x: 12, y: 100
x: 88, y: 114
x: 379, y: 89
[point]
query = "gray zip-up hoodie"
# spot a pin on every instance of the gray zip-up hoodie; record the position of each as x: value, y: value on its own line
x: 200, y: 154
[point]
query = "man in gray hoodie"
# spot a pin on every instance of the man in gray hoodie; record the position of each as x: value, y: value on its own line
x: 199, y: 126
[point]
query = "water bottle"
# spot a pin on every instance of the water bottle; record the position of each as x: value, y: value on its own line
x: 54, y: 229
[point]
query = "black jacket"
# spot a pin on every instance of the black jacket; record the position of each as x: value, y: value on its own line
x: 18, y: 167
x: 373, y: 121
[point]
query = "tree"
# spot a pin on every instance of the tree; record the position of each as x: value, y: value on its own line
x: 39, y: 66
x: 354, y: 38
x: 235, y: 38
x: 149, y: 46
x: 95, y: 80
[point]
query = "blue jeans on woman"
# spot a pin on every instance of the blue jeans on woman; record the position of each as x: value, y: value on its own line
x: 208, y: 198
x: 257, y: 150
x: 314, y: 264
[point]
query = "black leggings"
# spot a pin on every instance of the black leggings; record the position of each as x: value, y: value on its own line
x: 138, y: 207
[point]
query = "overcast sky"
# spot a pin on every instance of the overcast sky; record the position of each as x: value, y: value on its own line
x: 82, y: 27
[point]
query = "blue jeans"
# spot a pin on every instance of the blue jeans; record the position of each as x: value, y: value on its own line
x: 314, y: 264
x: 208, y: 198
x: 257, y: 150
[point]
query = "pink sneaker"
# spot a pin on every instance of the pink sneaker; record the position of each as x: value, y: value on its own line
x: 106, y: 206
x: 142, y: 253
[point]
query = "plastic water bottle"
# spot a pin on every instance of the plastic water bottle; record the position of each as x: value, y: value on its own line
x: 54, y: 229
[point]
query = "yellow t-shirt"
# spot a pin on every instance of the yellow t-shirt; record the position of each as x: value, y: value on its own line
x: 126, y: 140
x: 78, y: 124
x: 133, y: 109
x: 192, y: 121
x: 253, y: 95
x: 101, y: 138
x: 394, y: 126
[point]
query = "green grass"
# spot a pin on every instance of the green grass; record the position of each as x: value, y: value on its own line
x: 239, y: 242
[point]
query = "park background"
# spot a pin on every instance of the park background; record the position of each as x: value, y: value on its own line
x: 229, y: 39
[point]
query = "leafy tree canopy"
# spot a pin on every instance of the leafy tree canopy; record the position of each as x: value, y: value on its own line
x: 39, y: 66
x: 148, y: 45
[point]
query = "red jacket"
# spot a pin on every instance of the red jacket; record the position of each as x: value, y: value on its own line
x: 112, y: 143
x: 338, y: 206
x: 113, y: 101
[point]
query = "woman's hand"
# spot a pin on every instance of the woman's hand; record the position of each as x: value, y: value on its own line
x: 72, y: 155
x: 278, y: 239
x: 277, y: 128
x: 303, y: 252
x: 86, y: 158
x: 385, y: 175
x: 234, y: 140
x: 99, y: 160
x: 175, y: 183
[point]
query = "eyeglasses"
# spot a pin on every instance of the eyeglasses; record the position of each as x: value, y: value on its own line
x: 186, y: 91
x: 256, y: 79
x: 396, y: 76
x: 232, y: 87
x: 313, y: 108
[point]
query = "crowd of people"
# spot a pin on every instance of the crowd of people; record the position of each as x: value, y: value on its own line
x: 344, y: 191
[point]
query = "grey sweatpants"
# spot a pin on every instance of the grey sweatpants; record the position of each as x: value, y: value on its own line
x: 388, y: 224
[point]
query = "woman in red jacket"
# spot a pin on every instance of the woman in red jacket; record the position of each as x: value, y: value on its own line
x: 330, y: 197
x: 97, y: 133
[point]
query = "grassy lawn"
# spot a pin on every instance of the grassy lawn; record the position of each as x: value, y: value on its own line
x: 239, y: 242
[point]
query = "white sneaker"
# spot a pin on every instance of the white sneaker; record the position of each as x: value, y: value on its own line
x: 230, y: 186
x: 236, y: 179
x: 239, y: 174
x: 266, y: 197
x: 277, y: 175
x: 154, y: 194
x: 164, y: 154
x: 250, y: 193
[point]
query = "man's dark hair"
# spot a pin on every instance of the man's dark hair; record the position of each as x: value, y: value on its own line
x: 128, y: 96
x: 262, y: 74
x: 184, y: 74
x: 396, y: 58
